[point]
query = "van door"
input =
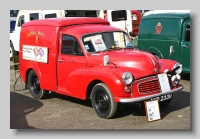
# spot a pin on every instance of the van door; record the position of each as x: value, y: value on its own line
x: 120, y: 19
x: 71, y: 62
x: 185, y: 47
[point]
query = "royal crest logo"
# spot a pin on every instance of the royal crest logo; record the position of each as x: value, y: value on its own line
x: 158, y: 28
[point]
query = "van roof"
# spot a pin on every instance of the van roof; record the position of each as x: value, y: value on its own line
x: 169, y: 14
x: 66, y: 21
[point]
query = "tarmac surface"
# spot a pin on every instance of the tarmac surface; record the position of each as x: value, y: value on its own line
x: 63, y: 112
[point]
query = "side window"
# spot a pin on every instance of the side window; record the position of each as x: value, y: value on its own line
x: 70, y: 14
x: 119, y: 15
x: 20, y: 21
x: 187, y: 33
x: 34, y: 16
x: 70, y: 46
x: 51, y: 15
x: 91, y: 14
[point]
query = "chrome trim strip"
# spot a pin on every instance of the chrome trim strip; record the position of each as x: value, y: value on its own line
x: 155, y: 76
x: 130, y: 100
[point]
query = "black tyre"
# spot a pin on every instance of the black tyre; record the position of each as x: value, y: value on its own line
x: 34, y: 86
x: 103, y: 102
x: 163, y: 103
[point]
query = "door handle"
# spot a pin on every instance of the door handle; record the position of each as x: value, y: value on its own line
x: 184, y: 46
x: 60, y: 60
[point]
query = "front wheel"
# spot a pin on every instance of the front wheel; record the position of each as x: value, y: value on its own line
x: 34, y: 86
x: 103, y: 102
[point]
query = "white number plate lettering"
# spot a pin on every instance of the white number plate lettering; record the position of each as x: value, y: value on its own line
x: 163, y: 97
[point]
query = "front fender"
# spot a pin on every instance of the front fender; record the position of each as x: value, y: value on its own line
x: 110, y: 76
x: 166, y: 64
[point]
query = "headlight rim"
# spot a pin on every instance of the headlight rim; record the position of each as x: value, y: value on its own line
x: 124, y: 75
x: 179, y: 70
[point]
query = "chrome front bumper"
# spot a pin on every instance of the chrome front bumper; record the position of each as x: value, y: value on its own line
x: 131, y: 100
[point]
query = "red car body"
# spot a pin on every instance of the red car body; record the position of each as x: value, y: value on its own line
x: 77, y: 75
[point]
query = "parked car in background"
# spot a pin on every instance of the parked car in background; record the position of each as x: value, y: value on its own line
x: 161, y: 30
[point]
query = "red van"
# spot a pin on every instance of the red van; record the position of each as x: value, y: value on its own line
x: 86, y: 58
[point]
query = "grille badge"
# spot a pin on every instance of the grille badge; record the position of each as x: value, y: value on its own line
x: 155, y: 70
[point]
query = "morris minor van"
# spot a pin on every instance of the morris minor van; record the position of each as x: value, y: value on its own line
x: 86, y: 58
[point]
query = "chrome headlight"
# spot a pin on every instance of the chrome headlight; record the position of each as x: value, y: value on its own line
x: 127, y: 78
x: 179, y: 68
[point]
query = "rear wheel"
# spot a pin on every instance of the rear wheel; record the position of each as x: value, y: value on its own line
x: 34, y: 86
x: 103, y: 102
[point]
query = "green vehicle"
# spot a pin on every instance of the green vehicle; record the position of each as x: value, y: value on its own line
x: 167, y: 35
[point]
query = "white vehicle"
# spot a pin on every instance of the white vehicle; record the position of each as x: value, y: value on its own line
x: 121, y: 19
x: 118, y: 18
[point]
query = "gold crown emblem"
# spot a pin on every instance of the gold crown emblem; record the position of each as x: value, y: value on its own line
x: 158, y: 24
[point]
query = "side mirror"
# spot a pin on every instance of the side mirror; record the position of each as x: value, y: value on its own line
x: 106, y: 60
x: 171, y: 50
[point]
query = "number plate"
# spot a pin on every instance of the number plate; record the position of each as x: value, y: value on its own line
x: 163, y: 97
x: 164, y: 82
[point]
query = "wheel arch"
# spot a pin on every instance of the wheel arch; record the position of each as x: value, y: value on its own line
x: 27, y: 73
x: 90, y: 87
x: 155, y: 51
x: 111, y: 79
x: 37, y: 71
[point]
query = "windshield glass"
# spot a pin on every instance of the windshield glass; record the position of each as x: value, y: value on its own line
x: 106, y: 41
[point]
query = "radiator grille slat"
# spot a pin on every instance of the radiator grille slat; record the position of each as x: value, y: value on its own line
x: 148, y: 87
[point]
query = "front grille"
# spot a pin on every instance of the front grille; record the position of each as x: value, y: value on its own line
x: 149, y: 86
